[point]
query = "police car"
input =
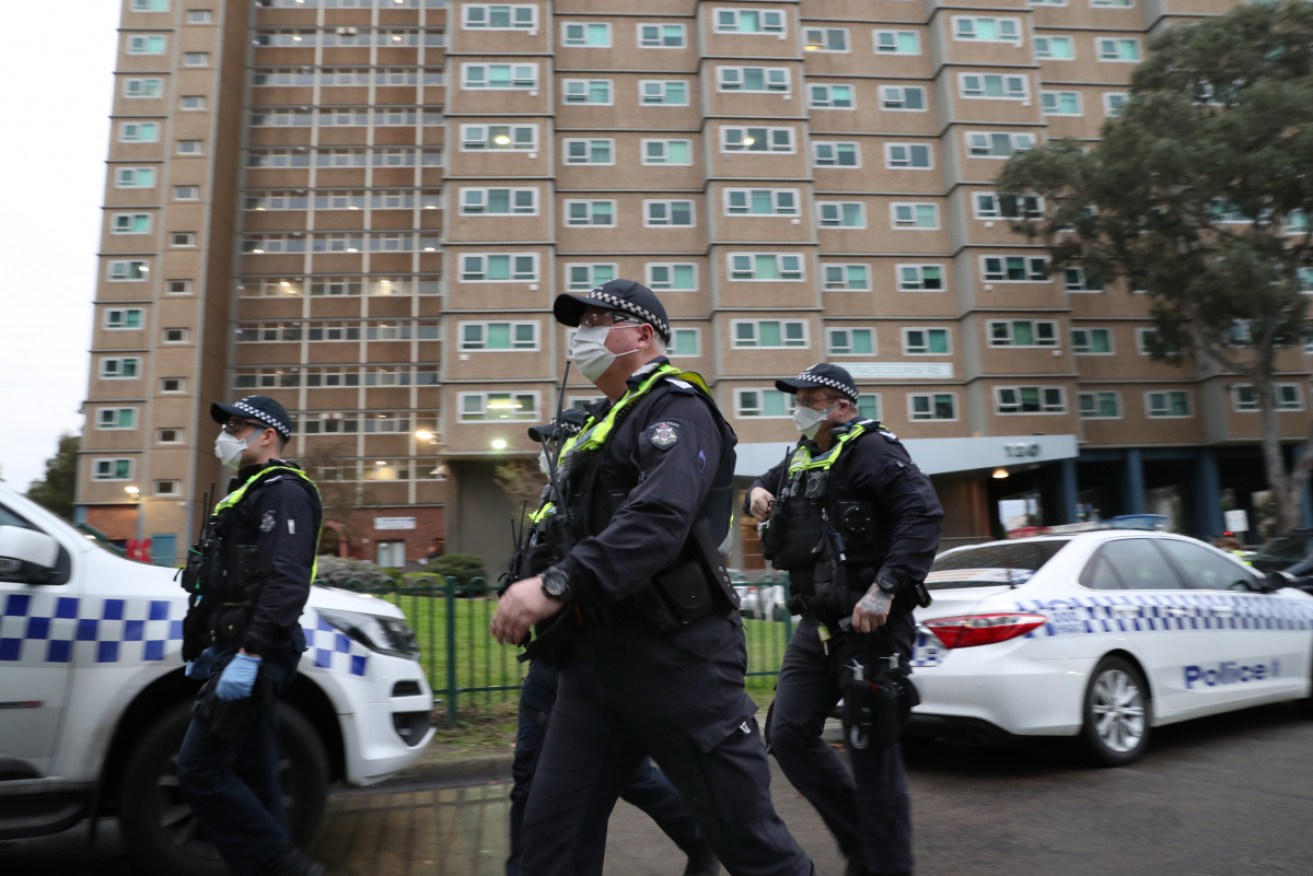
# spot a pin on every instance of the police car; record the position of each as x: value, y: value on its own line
x: 1103, y: 635
x: 93, y: 702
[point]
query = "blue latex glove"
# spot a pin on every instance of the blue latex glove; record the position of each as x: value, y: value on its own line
x: 203, y: 666
x: 238, y: 678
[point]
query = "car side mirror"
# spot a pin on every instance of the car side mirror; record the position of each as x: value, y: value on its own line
x: 27, y: 556
x: 1276, y: 579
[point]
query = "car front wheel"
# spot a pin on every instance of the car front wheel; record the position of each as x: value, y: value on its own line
x: 1116, y: 718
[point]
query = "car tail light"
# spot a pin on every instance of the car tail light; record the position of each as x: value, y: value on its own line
x: 969, y: 630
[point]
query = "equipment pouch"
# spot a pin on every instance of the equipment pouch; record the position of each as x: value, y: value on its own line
x: 229, y: 624
x: 876, y: 709
x: 195, y: 629
x: 797, y: 534
x: 675, y: 597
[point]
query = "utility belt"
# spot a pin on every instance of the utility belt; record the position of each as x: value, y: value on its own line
x: 830, y: 590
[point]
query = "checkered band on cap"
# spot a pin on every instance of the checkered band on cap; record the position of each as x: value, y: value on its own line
x: 268, y: 419
x: 844, y: 388
x: 630, y: 307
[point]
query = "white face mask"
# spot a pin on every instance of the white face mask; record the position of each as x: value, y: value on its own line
x: 229, y: 448
x: 589, y: 352
x: 808, y: 420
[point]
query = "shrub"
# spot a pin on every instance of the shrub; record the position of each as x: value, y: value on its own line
x: 462, y: 567
x: 352, y: 574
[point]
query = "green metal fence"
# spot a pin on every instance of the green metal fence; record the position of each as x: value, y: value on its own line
x: 468, y: 669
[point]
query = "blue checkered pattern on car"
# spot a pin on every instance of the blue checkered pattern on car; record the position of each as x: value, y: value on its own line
x: 50, y: 629
x: 1169, y: 611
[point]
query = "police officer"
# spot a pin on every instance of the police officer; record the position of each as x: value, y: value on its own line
x: 659, y: 656
x: 856, y: 524
x: 248, y: 580
x: 648, y: 788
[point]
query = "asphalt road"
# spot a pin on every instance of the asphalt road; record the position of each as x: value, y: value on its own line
x: 1219, y: 797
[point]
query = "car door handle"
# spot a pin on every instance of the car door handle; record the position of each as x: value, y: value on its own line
x: 1223, y: 610
x: 1126, y: 610
x: 1178, y: 611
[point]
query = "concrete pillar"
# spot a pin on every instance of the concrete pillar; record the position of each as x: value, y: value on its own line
x: 1133, y: 482
x: 1207, y: 511
x: 1068, y: 490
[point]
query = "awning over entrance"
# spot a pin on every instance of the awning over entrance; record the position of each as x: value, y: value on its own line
x: 940, y: 455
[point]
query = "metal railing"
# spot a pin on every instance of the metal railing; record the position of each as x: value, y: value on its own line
x: 468, y: 669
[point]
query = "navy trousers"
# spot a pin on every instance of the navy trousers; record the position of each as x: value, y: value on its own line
x: 868, y: 809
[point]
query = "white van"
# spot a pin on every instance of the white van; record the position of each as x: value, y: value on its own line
x: 93, y: 701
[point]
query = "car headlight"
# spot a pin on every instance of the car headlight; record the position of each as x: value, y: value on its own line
x: 386, y: 635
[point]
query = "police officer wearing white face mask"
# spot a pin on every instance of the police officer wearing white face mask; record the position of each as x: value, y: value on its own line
x: 644, y: 498
x: 248, y: 580
x: 856, y: 524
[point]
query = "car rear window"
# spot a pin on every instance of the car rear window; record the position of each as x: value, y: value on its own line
x: 1008, y: 564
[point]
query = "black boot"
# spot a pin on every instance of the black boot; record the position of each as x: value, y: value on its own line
x: 702, y: 862
x: 293, y: 863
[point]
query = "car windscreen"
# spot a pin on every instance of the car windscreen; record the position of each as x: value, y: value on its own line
x: 1008, y: 564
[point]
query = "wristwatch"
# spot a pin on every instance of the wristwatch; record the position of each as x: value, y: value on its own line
x: 556, y: 585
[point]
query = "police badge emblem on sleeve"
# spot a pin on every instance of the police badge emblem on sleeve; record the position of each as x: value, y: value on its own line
x: 663, y: 435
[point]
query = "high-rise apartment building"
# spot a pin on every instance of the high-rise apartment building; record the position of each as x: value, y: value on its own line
x: 366, y: 208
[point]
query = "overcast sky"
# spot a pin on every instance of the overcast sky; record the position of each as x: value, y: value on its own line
x: 57, y: 68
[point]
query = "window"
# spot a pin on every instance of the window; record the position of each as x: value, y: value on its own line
x: 173, y: 385
x: 1029, y: 400
x: 169, y: 436
x: 476, y: 407
x: 1147, y: 339
x: 1113, y: 4
x: 498, y: 202
x: 831, y: 97
x: 921, y: 217
x: 926, y: 342
x: 500, y: 17
x: 850, y: 341
x: 733, y: 139
x: 1023, y: 333
x: 661, y: 36
x: 499, y: 76
x: 1014, y: 269
x: 499, y: 267
x: 915, y: 156
x: 769, y: 333
x: 143, y: 44
x: 685, y: 342
x: 920, y: 278
x: 1054, y: 48
x: 1168, y: 404
x: 1100, y: 405
x: 123, y: 318
x: 1285, y: 397
x: 131, y: 223
x: 671, y: 152
x: 191, y: 147
x: 897, y: 42
x: 932, y: 406
x: 1060, y: 103
x: 179, y: 287
x: 672, y: 276
x: 588, y: 91
x: 139, y: 132
x: 134, y: 177
x: 763, y: 403
x: 581, y: 277
x: 835, y: 154
x: 200, y: 16
x: 1305, y: 279
x: 594, y: 213
x: 846, y: 277
x: 749, y: 21
x: 657, y: 214
x: 987, y: 30
x: 840, y: 214
x: 143, y: 87
x: 586, y: 34
x: 191, y: 102
x: 1113, y: 102
x: 127, y: 270
x: 510, y: 138
x: 186, y: 193
x: 149, y: 6
x: 1074, y: 280
x: 761, y: 202
x: 868, y: 405
x: 764, y: 266
x: 993, y: 86
x: 1091, y: 341
x: 120, y: 368
x: 168, y: 488
x: 997, y: 144
x: 111, y: 470
x: 990, y: 205
x: 663, y: 92
x: 196, y: 59
x: 589, y: 151
x: 499, y: 335
x: 825, y: 39
x: 182, y: 238
x: 753, y: 79
x: 176, y: 335
x: 902, y: 98
x: 1115, y: 49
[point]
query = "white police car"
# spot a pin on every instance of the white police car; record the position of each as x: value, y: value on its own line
x: 93, y: 702
x: 1103, y: 635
